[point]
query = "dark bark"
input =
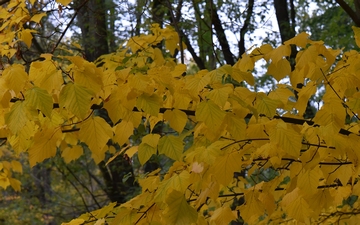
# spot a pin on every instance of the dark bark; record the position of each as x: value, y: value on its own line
x: 245, y: 27
x: 199, y: 62
x: 118, y: 190
x: 287, y: 30
x: 220, y: 34
x: 92, y: 22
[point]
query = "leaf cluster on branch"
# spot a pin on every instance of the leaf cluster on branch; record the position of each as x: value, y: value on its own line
x: 291, y: 168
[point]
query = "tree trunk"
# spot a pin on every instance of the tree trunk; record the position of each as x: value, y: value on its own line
x: 93, y: 25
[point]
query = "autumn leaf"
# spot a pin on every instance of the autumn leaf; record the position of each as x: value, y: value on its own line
x: 123, y: 131
x: 15, y: 77
x: 45, y: 75
x: 17, y: 117
x: 149, y: 103
x: 45, y: 145
x: 225, y: 166
x: 357, y: 35
x: 72, y: 153
x: 95, y: 132
x: 77, y: 99
x: 287, y: 138
x: 64, y: 2
x: 177, y: 119
x: 38, y: 98
x: 179, y: 212
x: 148, y: 147
x: 210, y: 114
x: 171, y: 146
x: 223, y: 216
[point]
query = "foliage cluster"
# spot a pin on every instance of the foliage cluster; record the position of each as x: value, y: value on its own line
x: 249, y: 156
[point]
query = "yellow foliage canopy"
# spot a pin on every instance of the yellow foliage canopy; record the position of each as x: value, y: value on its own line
x: 242, y: 145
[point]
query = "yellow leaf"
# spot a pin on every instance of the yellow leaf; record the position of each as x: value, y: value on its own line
x: 123, y: 131
x: 331, y: 113
x: 210, y: 114
x: 45, y: 75
x: 15, y: 184
x: 225, y: 166
x: 299, y: 210
x: 15, y: 77
x: 179, y: 70
x: 16, y: 166
x: 220, y: 95
x: 279, y: 69
x: 72, y: 153
x: 145, y: 152
x: 357, y: 35
x: 240, y: 76
x: 303, y: 97
x: 280, y: 53
x: 308, y: 181
x: 300, y: 40
x: 179, y: 182
x: 26, y: 36
x: 253, y: 207
x: 171, y: 146
x: 17, y: 117
x: 37, y: 17
x: 266, y: 105
x: 86, y: 74
x: 178, y: 210
x: 76, y: 99
x: 45, y: 144
x: 176, y: 118
x: 95, y: 132
x: 282, y: 93
x: 236, y: 126
x: 149, y: 103
x: 287, y: 138
x: 75, y: 222
x: 64, y: 2
x: 222, y: 216
x: 38, y: 98
x: 245, y: 64
x: 195, y: 83
x: 104, y: 211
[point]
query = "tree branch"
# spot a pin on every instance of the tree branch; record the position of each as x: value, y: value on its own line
x: 220, y: 33
x: 349, y: 11
x: 245, y: 28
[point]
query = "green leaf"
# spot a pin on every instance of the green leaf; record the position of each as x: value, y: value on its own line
x: 38, y: 98
x: 210, y: 114
x: 76, y: 99
x: 178, y: 211
x: 171, y: 146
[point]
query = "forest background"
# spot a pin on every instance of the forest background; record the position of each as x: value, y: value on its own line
x: 215, y: 33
